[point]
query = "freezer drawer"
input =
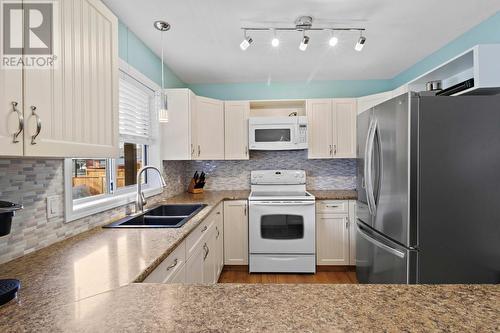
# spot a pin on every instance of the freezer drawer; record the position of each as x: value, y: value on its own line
x: 380, y: 260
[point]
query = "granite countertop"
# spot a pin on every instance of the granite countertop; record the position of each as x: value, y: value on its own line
x: 272, y: 308
x: 100, y: 259
x: 84, y: 284
x: 334, y: 194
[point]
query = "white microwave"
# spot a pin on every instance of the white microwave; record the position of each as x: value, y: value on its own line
x: 277, y: 133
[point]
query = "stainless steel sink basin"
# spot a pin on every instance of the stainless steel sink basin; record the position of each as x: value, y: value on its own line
x: 164, y: 216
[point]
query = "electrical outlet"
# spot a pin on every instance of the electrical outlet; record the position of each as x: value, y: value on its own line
x: 53, y: 206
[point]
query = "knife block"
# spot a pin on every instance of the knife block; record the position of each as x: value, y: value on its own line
x: 191, y: 188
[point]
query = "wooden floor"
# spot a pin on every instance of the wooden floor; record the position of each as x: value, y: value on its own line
x: 239, y: 274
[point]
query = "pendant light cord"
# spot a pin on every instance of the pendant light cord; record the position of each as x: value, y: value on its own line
x: 162, y: 70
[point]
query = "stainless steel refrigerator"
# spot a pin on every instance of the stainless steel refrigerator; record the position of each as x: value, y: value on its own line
x: 428, y: 207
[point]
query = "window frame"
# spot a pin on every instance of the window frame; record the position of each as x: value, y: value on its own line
x: 83, y: 207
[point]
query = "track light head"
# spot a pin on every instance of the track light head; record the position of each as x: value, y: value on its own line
x: 275, y: 42
x: 333, y: 41
x: 246, y: 42
x: 304, y: 43
x: 361, y: 43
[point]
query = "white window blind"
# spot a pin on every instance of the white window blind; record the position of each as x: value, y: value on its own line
x: 135, y: 102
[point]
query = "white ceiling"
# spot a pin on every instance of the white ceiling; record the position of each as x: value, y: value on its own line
x: 203, y: 44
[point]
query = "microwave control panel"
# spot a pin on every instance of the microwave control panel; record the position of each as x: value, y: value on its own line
x: 302, y: 137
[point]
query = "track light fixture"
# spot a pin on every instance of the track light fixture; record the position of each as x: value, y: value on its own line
x: 302, y: 24
x: 361, y: 43
x: 246, y: 41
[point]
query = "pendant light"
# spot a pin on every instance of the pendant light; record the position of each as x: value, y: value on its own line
x: 162, y: 26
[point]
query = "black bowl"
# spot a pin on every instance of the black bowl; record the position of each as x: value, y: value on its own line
x: 7, y: 211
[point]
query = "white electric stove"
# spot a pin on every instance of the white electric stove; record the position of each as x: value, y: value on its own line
x: 282, y: 226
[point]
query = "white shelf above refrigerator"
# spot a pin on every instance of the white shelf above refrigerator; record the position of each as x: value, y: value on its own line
x: 480, y: 63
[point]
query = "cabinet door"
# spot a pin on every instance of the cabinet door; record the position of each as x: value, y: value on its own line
x: 209, y: 259
x: 236, y: 130
x: 319, y: 122
x: 195, y: 266
x: 11, y: 112
x: 75, y: 103
x: 344, y: 128
x: 332, y: 239
x: 352, y: 232
x: 180, y: 276
x: 219, y: 245
x: 176, y: 134
x: 209, y: 128
x: 235, y: 232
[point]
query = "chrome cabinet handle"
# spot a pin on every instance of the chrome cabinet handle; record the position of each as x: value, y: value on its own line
x: 218, y: 233
x: 207, y: 251
x: 21, y: 122
x: 173, y: 265
x: 38, y: 124
x: 347, y: 223
x: 245, y: 210
x: 246, y: 150
x: 192, y: 150
x: 199, y: 150
x: 332, y: 206
x: 204, y: 229
x: 334, y: 149
x: 218, y: 213
x: 331, y: 150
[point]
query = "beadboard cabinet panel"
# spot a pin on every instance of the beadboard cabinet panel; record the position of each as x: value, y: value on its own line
x: 209, y: 129
x: 319, y: 118
x: 344, y: 128
x: 75, y: 104
x: 11, y: 112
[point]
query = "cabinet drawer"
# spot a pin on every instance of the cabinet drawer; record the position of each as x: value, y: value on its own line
x: 332, y: 207
x: 195, y: 238
x: 169, y: 267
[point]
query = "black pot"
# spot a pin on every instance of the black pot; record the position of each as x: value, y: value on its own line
x: 7, y: 211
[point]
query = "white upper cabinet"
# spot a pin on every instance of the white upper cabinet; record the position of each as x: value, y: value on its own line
x: 176, y: 142
x: 11, y: 112
x: 319, y: 119
x: 208, y: 129
x: 344, y: 128
x: 70, y: 109
x: 332, y: 128
x: 236, y: 130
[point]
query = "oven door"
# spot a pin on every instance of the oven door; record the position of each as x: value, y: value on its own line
x: 282, y: 227
x: 273, y: 137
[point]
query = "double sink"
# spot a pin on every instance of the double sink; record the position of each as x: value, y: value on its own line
x: 164, y: 216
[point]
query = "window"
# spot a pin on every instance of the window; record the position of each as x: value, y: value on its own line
x: 95, y: 185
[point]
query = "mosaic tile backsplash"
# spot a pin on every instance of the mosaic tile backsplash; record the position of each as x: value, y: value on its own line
x: 31, y: 181
x: 327, y: 174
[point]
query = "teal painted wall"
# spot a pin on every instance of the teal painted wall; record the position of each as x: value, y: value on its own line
x: 487, y: 32
x: 288, y: 90
x: 132, y: 50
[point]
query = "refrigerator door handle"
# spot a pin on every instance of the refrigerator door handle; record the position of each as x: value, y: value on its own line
x: 369, y: 166
x: 378, y: 243
x: 366, y: 178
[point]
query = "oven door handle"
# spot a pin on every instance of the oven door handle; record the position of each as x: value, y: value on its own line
x: 286, y: 203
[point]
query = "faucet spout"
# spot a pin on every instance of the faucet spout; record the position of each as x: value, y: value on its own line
x: 140, y: 201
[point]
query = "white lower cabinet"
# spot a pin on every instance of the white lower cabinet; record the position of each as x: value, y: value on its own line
x: 198, y: 259
x: 236, y: 232
x: 171, y: 270
x: 334, y: 232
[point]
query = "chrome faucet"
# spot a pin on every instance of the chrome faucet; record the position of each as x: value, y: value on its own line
x: 140, y: 200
